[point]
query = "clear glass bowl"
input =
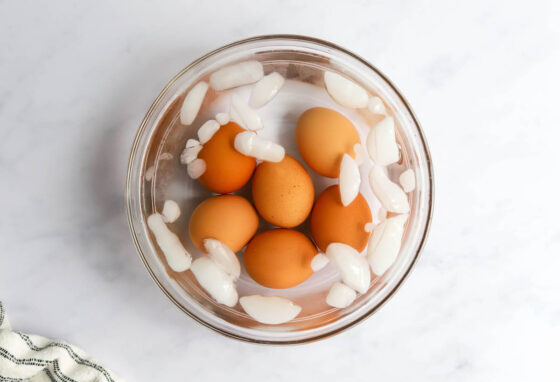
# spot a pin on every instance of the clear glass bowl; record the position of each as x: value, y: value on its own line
x: 154, y: 175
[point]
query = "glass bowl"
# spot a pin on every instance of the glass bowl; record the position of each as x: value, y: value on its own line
x: 155, y: 174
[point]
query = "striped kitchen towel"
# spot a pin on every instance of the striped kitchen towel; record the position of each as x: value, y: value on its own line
x: 26, y: 357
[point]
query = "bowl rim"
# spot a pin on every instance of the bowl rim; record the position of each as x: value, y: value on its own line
x: 330, y: 45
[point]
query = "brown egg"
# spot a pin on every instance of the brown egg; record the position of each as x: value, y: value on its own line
x: 323, y: 136
x: 227, y: 170
x: 331, y: 222
x: 279, y: 258
x: 283, y: 192
x: 230, y: 219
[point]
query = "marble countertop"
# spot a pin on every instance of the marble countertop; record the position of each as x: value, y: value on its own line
x: 482, y: 305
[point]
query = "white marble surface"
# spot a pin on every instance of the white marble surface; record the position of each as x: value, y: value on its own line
x: 483, y: 303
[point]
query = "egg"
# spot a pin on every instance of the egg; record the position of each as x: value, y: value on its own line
x: 230, y: 219
x: 283, y: 192
x: 279, y: 258
x: 331, y: 222
x: 323, y: 136
x: 227, y: 170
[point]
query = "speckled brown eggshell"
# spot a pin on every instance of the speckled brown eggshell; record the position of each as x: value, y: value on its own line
x: 283, y: 192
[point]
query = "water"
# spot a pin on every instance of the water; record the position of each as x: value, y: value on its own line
x: 302, y: 90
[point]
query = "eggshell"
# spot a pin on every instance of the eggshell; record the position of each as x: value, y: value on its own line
x: 323, y: 136
x: 283, y: 192
x: 230, y: 219
x: 331, y: 222
x: 279, y: 258
x: 227, y: 170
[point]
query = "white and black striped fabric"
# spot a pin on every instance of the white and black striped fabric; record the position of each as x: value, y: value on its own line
x: 34, y: 358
